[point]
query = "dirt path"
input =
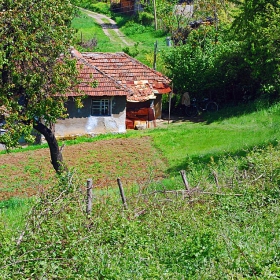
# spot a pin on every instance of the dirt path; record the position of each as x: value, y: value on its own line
x: 116, y: 36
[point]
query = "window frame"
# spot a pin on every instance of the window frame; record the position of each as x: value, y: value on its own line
x: 100, y: 105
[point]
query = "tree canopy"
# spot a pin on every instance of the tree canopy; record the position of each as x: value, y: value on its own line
x: 257, y: 28
x: 235, y: 58
x: 36, y: 69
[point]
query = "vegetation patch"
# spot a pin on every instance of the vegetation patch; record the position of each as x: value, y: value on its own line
x: 215, y: 231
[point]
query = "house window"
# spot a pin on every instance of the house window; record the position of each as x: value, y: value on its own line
x: 101, y: 107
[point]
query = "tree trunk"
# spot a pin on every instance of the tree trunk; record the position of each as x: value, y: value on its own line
x: 56, y: 154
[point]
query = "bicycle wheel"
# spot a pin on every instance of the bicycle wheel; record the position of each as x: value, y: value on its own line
x: 212, y: 107
x: 191, y: 111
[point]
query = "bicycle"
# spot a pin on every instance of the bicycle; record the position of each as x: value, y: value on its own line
x: 205, y: 105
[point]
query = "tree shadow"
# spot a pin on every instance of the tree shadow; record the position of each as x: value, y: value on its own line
x: 226, y: 111
x: 180, y: 118
x: 236, y: 110
x: 206, y: 159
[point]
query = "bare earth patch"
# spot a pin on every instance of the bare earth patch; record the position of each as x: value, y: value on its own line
x: 134, y: 160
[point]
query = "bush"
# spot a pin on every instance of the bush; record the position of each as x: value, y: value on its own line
x: 131, y: 28
x: 132, y: 51
x: 101, y: 8
x: 145, y: 18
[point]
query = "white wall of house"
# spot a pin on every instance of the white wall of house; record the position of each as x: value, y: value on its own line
x: 84, y: 122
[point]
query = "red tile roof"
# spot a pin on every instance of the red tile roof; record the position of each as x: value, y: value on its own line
x: 106, y: 86
x: 119, y: 74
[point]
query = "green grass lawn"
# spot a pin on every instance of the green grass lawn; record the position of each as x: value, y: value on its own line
x: 87, y: 29
x: 145, y: 39
x: 199, y: 142
x: 229, y: 229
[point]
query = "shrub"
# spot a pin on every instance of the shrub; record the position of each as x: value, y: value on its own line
x: 145, y: 18
x: 132, y: 51
x: 131, y: 28
x: 100, y: 7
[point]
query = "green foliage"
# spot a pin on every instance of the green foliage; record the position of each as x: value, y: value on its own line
x: 160, y: 236
x: 256, y: 26
x: 132, y: 51
x: 225, y: 65
x: 31, y: 41
x: 11, y: 204
x: 132, y: 28
x: 191, y: 66
x: 100, y: 7
x: 145, y: 18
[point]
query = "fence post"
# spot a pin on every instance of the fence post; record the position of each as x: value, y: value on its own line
x: 122, y: 193
x: 216, y: 180
x: 89, y: 196
x: 187, y: 186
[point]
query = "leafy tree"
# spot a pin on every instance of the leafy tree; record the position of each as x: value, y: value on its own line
x: 180, y: 19
x: 192, y: 65
x: 257, y: 27
x: 34, y: 74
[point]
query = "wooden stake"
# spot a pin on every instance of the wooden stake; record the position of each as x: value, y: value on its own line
x: 187, y: 186
x: 89, y: 197
x: 184, y: 177
x: 155, y: 13
x: 122, y: 193
x: 169, y: 104
x: 216, y: 179
x: 155, y: 56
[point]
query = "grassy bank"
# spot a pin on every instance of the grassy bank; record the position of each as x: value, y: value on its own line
x: 225, y: 231
x: 87, y: 31
x: 226, y: 227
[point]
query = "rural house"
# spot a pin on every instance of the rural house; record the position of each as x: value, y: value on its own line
x: 128, y: 94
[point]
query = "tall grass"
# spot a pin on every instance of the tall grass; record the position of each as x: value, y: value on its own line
x: 230, y: 232
x: 13, y: 212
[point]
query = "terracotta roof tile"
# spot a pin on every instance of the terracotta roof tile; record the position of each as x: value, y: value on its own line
x: 119, y: 74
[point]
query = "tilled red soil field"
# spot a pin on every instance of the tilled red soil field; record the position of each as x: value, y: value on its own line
x: 134, y: 160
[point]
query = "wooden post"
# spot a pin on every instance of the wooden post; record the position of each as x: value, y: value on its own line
x: 155, y: 13
x: 169, y: 103
x: 216, y: 179
x: 89, y: 196
x: 155, y: 56
x: 187, y: 186
x: 122, y: 193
